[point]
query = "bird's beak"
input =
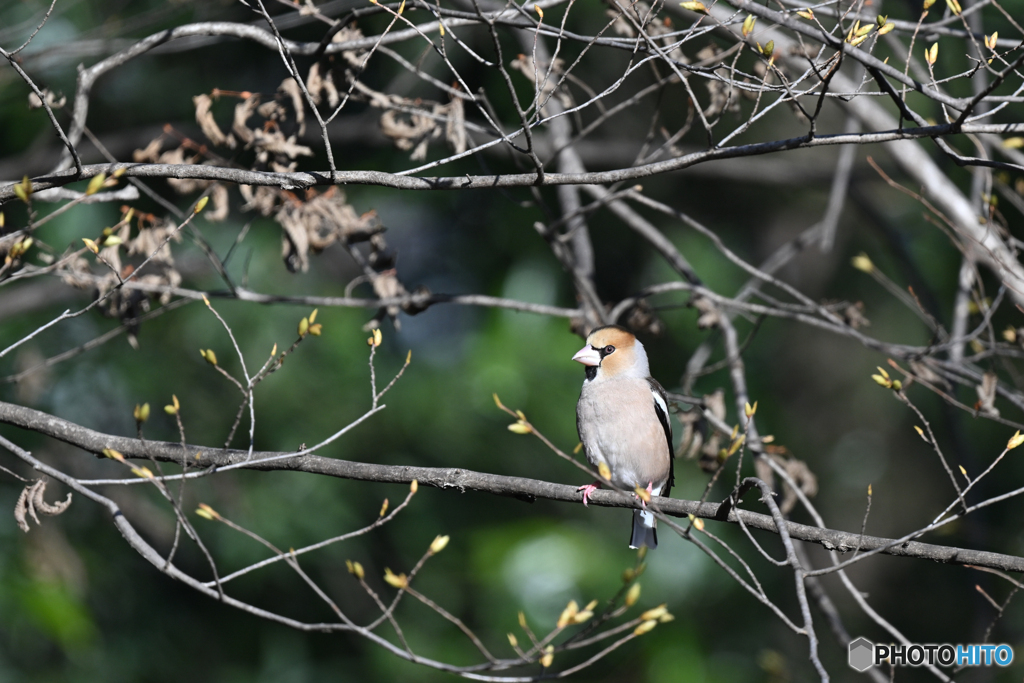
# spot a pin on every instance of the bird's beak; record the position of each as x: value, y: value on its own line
x: 588, y: 355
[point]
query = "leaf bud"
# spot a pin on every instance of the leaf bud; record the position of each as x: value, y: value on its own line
x: 355, y: 569
x: 645, y: 627
x: 395, y: 580
x: 748, y: 25
x: 519, y: 428
x: 438, y: 544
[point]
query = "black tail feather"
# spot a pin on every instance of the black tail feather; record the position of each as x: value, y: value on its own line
x: 643, y: 535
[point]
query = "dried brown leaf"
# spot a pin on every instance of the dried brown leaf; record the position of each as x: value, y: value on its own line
x: 21, y: 510
x: 455, y: 129
x: 407, y: 130
x: 355, y: 58
x: 854, y: 315
x: 221, y: 205
x: 291, y: 88
x: 31, y: 502
x: 42, y: 506
x: 243, y: 112
x: 54, y: 101
x: 204, y: 117
x: 320, y: 85
x: 263, y: 199
x: 709, y: 314
x: 277, y: 143
x: 986, y: 404
x: 149, y: 153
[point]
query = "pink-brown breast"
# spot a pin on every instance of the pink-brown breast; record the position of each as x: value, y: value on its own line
x: 619, y: 426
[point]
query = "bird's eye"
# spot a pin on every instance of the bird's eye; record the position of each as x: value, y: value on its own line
x: 608, y: 350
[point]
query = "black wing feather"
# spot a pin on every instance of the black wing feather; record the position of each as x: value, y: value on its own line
x: 667, y: 426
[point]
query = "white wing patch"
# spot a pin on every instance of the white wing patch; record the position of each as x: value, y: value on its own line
x: 660, y: 401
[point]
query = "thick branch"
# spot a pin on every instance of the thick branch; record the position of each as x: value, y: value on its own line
x: 306, y: 179
x: 467, y: 480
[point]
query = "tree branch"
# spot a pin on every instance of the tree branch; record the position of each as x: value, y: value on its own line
x: 467, y: 480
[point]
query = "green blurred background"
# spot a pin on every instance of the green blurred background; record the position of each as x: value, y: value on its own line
x: 76, y: 604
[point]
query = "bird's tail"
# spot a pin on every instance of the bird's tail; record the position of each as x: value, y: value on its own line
x: 644, y: 531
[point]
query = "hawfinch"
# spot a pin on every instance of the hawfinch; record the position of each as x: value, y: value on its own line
x: 622, y: 420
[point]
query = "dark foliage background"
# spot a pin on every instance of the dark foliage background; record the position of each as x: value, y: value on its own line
x: 77, y: 605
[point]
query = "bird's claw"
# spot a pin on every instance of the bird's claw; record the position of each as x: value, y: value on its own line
x: 588, y: 490
x: 650, y: 492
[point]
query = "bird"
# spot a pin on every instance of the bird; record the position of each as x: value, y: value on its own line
x: 622, y: 421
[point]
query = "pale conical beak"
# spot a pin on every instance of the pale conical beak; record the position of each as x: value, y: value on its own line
x: 588, y: 355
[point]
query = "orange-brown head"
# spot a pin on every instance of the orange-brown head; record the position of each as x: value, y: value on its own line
x: 613, y: 351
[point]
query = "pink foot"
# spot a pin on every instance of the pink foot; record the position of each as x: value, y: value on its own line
x: 588, y: 489
x: 650, y: 492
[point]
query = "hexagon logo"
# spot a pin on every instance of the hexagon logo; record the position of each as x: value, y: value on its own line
x: 862, y: 654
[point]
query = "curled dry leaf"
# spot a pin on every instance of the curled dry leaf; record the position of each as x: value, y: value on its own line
x: 354, y: 58
x: 150, y: 153
x: 986, y: 404
x: 455, y: 128
x: 278, y: 144
x: 182, y: 185
x: 320, y: 86
x: 31, y: 502
x: 52, y: 100
x: 854, y: 316
x: 262, y: 199
x: 709, y: 315
x: 221, y: 205
x: 291, y: 88
x: 204, y: 117
x: 243, y: 112
x: 409, y: 130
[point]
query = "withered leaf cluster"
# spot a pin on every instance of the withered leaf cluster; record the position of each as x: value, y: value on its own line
x: 412, y: 124
x: 280, y: 122
x: 312, y: 222
x: 119, y: 256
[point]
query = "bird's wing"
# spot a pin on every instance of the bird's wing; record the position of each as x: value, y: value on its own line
x: 661, y: 408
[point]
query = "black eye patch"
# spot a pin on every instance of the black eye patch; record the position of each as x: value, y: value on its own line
x: 606, y: 351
